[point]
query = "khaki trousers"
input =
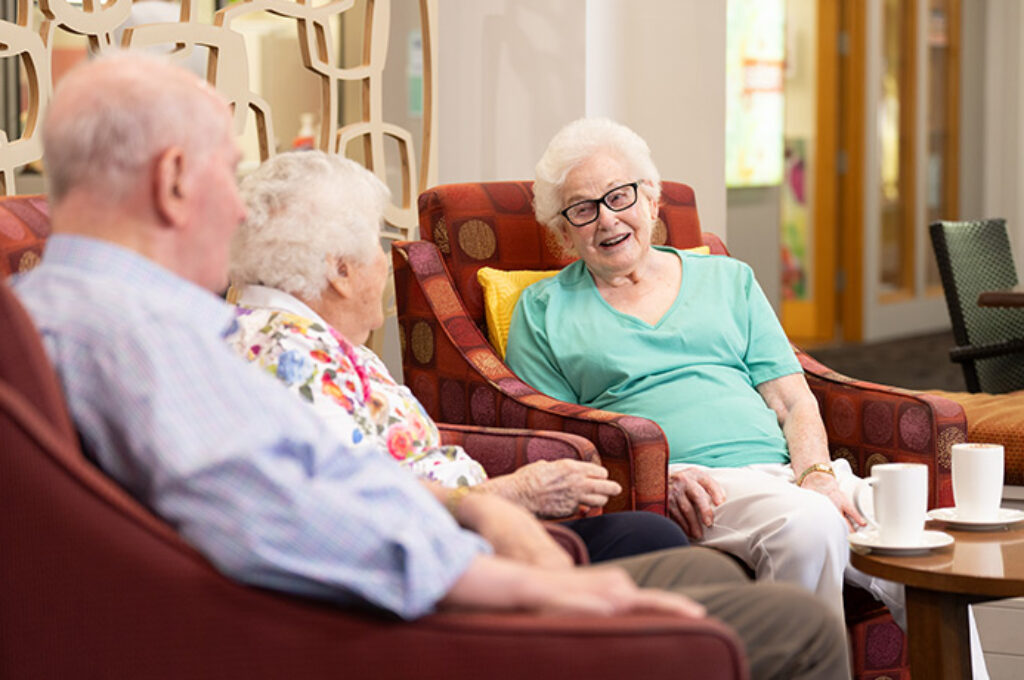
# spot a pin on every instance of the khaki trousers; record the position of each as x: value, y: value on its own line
x: 787, y: 632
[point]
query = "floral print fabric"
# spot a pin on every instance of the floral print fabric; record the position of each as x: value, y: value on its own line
x: 347, y: 383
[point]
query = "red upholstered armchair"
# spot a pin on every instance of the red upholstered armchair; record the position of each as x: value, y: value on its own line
x: 453, y: 370
x: 91, y: 580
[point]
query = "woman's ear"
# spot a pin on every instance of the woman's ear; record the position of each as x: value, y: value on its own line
x: 339, y: 278
x: 653, y: 204
x: 563, y: 236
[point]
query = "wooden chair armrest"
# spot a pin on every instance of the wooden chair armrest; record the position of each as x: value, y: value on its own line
x: 996, y: 349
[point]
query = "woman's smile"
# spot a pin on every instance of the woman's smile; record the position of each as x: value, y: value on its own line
x: 614, y: 241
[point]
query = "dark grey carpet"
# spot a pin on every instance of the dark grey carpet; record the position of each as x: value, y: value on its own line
x: 919, y: 363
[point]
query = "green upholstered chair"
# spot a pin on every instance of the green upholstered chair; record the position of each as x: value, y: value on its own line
x: 975, y: 256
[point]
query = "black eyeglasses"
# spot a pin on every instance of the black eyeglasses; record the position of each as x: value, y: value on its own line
x: 618, y: 199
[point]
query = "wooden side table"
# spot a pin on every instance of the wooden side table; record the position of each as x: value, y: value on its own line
x: 978, y: 567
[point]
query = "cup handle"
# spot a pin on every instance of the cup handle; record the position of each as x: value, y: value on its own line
x: 866, y: 512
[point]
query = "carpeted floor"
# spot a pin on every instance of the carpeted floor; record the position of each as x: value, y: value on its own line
x: 920, y: 362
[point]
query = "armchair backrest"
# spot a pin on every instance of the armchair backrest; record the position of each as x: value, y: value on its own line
x: 975, y: 256
x: 491, y: 224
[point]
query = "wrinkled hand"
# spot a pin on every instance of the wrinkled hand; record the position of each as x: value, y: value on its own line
x: 556, y: 489
x: 692, y: 497
x: 511, y: 530
x: 826, y: 485
x: 493, y: 583
x: 609, y: 591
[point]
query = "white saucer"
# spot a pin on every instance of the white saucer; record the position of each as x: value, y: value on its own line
x: 1003, y: 517
x: 868, y: 538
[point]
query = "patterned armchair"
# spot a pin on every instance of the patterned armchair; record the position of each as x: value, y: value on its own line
x: 453, y: 370
x: 91, y: 579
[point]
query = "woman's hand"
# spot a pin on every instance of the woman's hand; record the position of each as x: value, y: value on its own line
x: 826, y: 485
x: 692, y: 497
x: 555, y: 489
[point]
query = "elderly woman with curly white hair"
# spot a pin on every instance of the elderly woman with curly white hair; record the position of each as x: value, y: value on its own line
x: 689, y: 341
x: 311, y: 274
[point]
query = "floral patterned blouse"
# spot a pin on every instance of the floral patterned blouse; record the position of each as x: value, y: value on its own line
x: 345, y: 383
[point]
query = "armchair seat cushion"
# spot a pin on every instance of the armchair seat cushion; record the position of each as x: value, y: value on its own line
x: 996, y: 419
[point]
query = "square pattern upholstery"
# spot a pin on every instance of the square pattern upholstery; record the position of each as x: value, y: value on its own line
x: 24, y: 226
x: 452, y: 368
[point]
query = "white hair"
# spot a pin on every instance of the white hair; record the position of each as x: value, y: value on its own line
x: 577, y: 142
x: 111, y: 116
x: 304, y: 208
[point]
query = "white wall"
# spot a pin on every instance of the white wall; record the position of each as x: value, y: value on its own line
x: 658, y: 66
x: 512, y: 72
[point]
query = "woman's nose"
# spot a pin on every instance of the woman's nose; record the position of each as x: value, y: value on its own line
x: 606, y: 217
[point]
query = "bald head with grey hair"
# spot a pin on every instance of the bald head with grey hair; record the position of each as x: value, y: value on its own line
x: 575, y: 143
x: 306, y: 210
x: 110, y: 117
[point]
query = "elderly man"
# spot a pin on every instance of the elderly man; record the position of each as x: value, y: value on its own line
x: 144, y: 202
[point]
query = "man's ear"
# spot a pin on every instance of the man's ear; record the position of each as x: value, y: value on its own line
x: 339, y: 278
x: 169, y: 191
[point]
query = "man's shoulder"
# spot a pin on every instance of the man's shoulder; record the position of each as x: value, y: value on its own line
x: 59, y: 297
x: 89, y: 308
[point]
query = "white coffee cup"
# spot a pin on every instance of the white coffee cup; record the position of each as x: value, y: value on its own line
x: 977, y: 481
x: 900, y: 502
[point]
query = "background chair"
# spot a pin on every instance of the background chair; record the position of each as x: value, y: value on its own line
x: 94, y: 585
x: 453, y: 370
x: 975, y: 256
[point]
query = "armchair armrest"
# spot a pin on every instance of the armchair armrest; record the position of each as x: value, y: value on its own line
x: 502, y: 451
x: 457, y: 376
x: 869, y: 423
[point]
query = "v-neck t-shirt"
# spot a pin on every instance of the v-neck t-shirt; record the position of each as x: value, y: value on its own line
x: 694, y: 372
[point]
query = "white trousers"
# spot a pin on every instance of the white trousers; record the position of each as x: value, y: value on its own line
x: 794, y: 535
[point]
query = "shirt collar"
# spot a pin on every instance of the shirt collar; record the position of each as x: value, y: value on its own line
x: 105, y: 259
x: 253, y: 295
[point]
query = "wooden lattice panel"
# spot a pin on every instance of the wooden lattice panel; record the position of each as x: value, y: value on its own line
x: 30, y: 37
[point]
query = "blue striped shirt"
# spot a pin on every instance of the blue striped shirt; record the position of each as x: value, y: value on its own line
x: 242, y: 469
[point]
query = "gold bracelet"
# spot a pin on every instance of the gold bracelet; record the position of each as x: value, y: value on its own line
x: 454, y: 499
x: 817, y: 467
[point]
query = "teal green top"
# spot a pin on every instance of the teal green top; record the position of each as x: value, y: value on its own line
x: 694, y: 372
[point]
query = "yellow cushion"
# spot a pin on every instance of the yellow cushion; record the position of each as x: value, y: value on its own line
x: 501, y: 293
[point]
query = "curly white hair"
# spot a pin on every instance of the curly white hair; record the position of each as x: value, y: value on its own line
x: 306, y: 208
x: 574, y: 144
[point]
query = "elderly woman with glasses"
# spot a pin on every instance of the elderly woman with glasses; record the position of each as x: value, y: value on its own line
x: 310, y: 273
x: 689, y: 341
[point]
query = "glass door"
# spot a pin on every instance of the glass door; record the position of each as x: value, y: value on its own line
x: 899, y: 99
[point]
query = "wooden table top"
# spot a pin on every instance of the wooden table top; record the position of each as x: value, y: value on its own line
x: 1011, y: 297
x: 987, y: 563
